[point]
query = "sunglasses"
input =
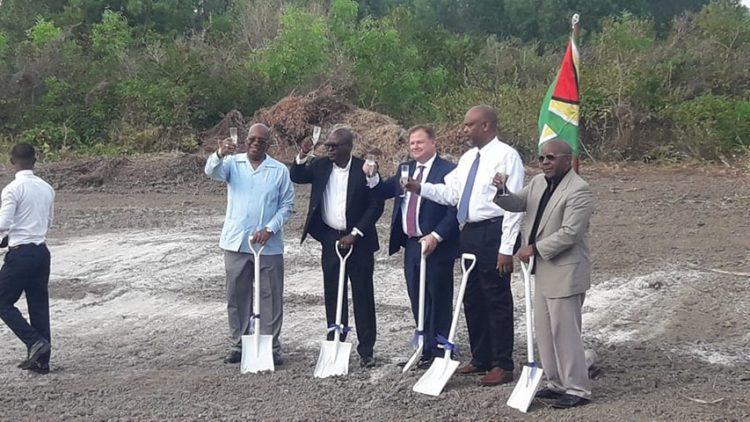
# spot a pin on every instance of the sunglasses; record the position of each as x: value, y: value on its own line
x: 550, y: 157
x: 259, y: 140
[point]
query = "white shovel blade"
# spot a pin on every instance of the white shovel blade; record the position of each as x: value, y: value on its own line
x: 526, y: 388
x: 333, y: 359
x: 258, y: 359
x: 433, y: 381
x: 413, y: 359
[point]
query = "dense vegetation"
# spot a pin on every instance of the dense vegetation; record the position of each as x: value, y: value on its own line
x: 660, y: 80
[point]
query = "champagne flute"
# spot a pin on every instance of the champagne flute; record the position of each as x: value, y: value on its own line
x: 315, y: 139
x: 233, y: 134
x: 404, y: 179
x: 370, y: 160
x: 500, y: 172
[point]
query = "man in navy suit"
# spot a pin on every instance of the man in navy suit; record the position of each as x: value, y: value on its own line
x: 415, y: 221
x: 343, y: 208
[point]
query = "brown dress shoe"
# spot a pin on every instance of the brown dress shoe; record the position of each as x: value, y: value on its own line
x: 497, y: 376
x: 470, y: 369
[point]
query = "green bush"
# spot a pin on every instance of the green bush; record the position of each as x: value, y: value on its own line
x: 715, y: 123
x: 111, y: 37
x: 42, y: 32
x: 298, y: 53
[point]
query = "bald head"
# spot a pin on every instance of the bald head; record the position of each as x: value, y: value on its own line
x: 480, y: 125
x: 259, y: 129
x: 557, y: 146
x: 487, y: 113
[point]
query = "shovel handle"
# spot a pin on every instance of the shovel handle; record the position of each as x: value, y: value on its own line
x: 255, y: 252
x: 526, y: 270
x: 344, y: 257
x: 468, y: 257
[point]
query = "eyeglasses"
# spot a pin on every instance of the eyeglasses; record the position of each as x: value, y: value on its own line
x: 550, y: 157
x: 257, y: 139
x: 332, y: 146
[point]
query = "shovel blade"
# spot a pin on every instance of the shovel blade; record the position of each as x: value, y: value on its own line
x: 413, y: 359
x: 333, y: 359
x: 526, y: 388
x: 257, y: 359
x: 433, y: 381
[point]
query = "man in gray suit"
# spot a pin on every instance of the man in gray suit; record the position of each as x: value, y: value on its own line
x: 558, y: 207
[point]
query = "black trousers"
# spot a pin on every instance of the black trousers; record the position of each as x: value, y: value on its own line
x: 26, y: 270
x: 488, y: 303
x: 438, y: 308
x: 359, y: 269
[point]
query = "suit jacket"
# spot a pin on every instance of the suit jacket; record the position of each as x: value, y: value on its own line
x: 432, y: 216
x: 363, y: 207
x: 563, y: 265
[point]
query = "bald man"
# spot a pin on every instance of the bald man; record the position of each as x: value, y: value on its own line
x: 558, y: 205
x: 260, y: 197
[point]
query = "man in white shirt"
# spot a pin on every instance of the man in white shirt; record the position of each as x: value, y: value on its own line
x: 491, y: 234
x: 25, y: 216
x: 343, y: 209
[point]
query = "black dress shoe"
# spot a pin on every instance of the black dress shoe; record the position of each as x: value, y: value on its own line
x: 233, y: 357
x: 548, y: 394
x: 425, y: 362
x: 367, y: 362
x: 278, y: 360
x: 36, y: 351
x: 566, y: 401
x: 39, y: 368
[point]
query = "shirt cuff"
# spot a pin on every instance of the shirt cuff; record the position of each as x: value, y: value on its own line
x: 506, y: 249
x: 437, y: 236
x: 373, y: 181
x: 300, y: 160
x: 356, y: 231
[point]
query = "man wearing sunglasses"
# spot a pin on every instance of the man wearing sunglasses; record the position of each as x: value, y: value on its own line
x: 342, y: 208
x: 490, y: 233
x: 558, y: 207
x: 260, y: 196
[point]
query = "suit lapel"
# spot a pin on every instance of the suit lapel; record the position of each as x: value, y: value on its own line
x: 351, y: 184
x: 557, y: 195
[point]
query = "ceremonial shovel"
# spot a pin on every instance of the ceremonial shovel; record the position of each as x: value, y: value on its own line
x: 418, y: 341
x: 433, y: 381
x: 257, y: 349
x: 531, y: 375
x: 334, y: 355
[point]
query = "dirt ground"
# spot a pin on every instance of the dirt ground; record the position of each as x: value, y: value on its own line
x: 139, y: 315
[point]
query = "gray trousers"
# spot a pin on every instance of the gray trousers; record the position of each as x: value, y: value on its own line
x: 240, y: 269
x: 557, y: 323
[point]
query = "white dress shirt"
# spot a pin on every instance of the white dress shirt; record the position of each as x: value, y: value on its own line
x: 495, y: 157
x: 334, y: 197
x: 27, y: 209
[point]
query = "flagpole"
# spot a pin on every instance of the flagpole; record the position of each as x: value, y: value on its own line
x: 576, y: 29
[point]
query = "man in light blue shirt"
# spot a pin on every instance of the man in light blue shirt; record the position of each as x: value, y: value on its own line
x: 260, y: 197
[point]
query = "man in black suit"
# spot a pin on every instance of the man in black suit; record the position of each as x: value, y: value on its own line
x: 415, y: 222
x: 342, y: 208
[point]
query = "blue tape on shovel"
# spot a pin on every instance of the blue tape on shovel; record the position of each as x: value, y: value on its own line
x: 415, y: 339
x: 343, y: 329
x: 447, y: 345
x: 534, y: 366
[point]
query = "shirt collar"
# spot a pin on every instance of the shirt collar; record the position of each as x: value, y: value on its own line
x: 555, y: 181
x: 348, y: 165
x: 427, y: 164
x: 24, y: 173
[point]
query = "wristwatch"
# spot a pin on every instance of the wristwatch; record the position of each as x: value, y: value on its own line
x: 268, y: 229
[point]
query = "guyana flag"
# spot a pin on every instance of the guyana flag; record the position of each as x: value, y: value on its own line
x: 558, y: 117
